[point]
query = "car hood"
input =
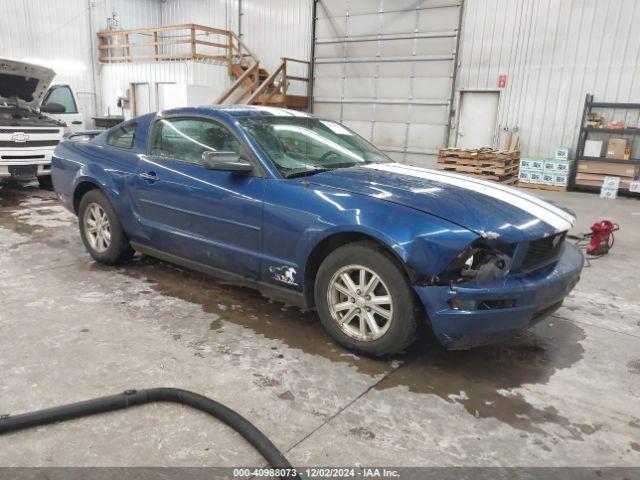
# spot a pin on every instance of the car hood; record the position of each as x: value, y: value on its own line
x: 26, y: 81
x: 490, y: 209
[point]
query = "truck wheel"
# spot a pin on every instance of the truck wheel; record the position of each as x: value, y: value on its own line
x: 101, y: 231
x: 45, y: 182
x: 365, y: 301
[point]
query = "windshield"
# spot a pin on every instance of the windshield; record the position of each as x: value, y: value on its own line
x: 307, y: 145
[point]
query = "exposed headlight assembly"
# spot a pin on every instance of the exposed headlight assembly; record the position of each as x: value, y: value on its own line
x: 478, y: 262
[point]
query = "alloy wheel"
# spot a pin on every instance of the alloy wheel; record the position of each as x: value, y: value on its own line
x: 97, y: 228
x: 360, y: 303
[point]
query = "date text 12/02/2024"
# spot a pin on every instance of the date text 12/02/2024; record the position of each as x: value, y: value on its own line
x: 317, y: 472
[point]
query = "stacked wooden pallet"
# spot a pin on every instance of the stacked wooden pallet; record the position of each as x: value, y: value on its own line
x: 497, y: 165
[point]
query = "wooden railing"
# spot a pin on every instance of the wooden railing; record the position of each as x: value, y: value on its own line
x: 189, y: 41
x: 173, y: 42
x: 251, y: 74
x: 276, y: 87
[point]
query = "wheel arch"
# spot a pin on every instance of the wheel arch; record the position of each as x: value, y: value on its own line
x: 334, y: 241
x: 81, y: 189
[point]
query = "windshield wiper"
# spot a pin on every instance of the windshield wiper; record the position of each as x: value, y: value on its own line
x: 303, y: 172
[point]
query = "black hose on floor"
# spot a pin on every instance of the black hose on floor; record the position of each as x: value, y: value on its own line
x: 132, y: 398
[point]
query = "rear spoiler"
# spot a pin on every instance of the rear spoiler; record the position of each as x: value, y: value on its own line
x: 81, y: 136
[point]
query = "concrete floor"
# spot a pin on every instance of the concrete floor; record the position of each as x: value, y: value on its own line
x: 565, y: 393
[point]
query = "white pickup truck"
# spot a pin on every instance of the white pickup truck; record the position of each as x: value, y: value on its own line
x: 33, y: 118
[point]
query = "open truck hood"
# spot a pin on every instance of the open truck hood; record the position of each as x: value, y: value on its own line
x: 26, y: 81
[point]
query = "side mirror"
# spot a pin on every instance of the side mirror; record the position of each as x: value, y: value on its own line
x: 53, y: 107
x: 226, y: 161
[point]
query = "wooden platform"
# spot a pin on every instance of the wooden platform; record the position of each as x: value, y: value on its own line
x: 497, y: 165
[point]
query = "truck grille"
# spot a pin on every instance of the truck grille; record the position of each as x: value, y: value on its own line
x: 29, y: 130
x: 29, y: 144
x: 543, y: 251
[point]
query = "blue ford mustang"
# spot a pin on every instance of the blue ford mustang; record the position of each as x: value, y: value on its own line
x: 307, y: 211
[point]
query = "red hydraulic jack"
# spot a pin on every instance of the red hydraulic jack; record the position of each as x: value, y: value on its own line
x: 601, y: 237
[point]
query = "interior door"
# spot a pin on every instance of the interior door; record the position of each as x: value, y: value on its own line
x: 141, y: 99
x: 478, y: 119
x: 165, y: 91
x: 212, y: 217
x: 63, y: 95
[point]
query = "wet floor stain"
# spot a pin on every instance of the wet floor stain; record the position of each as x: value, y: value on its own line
x: 362, y: 433
x: 634, y: 366
x: 34, y: 213
x: 248, y: 308
x: 481, y: 380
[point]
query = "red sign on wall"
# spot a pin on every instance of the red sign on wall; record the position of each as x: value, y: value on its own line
x: 502, y: 81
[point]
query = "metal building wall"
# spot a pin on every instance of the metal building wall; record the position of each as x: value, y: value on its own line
x: 553, y: 53
x: 27, y: 30
x: 213, y: 13
x: 270, y: 28
x: 129, y: 13
x: 385, y: 68
x: 277, y: 28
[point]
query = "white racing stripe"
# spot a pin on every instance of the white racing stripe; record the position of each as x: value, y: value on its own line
x: 557, y: 218
x: 532, y: 198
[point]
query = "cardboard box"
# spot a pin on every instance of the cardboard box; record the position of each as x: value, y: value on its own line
x: 603, y: 168
x: 562, y: 153
x: 524, y: 176
x: 561, y: 179
x: 537, y: 164
x: 608, y: 192
x: 525, y: 163
x: 616, y: 148
x: 611, y: 182
x: 593, y: 148
x: 564, y: 167
x: 548, y: 178
x: 550, y: 166
x: 535, y: 177
x: 635, y: 186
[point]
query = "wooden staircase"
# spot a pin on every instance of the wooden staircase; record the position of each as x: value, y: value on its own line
x: 253, y: 84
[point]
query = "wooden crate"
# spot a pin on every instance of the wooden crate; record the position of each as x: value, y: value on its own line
x: 497, y: 165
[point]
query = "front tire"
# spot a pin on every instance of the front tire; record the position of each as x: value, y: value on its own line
x: 45, y: 182
x: 101, y: 231
x: 365, y: 301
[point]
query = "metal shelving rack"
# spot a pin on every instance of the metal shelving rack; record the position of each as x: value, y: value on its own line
x: 584, y: 132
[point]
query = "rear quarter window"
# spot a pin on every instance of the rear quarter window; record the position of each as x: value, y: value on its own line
x: 122, y: 137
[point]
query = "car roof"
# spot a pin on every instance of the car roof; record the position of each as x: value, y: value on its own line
x: 236, y: 111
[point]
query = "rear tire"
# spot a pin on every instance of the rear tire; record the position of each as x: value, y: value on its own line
x: 374, y: 311
x: 101, y: 231
x: 45, y: 182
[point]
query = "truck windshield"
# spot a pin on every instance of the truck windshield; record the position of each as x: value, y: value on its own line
x: 305, y: 145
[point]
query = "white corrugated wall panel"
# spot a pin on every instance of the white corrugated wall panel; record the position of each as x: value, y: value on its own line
x: 41, y: 32
x: 553, y: 52
x: 130, y: 13
x: 212, y: 13
x: 277, y: 28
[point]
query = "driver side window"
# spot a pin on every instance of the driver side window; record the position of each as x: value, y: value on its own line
x: 185, y: 139
x: 62, y: 94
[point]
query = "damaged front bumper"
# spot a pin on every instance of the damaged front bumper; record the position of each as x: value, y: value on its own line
x: 467, y: 315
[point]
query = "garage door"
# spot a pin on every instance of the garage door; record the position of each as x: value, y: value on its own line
x: 385, y: 68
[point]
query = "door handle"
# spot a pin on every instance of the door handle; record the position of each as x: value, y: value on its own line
x: 77, y: 122
x: 149, y: 177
